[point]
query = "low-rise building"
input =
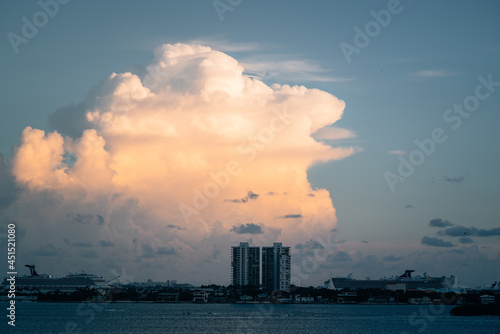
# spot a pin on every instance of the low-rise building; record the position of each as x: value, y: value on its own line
x: 487, y: 299
x: 200, y: 296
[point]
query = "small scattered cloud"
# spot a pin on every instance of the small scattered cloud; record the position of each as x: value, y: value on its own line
x: 82, y: 244
x: 460, y: 231
x: 436, y: 242
x: 365, y: 242
x: 397, y: 152
x: 291, y: 216
x: 456, y: 179
x: 249, y: 228
x: 409, y: 206
x: 438, y: 222
x: 175, y: 227
x: 250, y: 196
x: 105, y: 243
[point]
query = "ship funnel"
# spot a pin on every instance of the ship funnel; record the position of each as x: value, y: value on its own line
x: 32, y: 269
x: 407, y: 274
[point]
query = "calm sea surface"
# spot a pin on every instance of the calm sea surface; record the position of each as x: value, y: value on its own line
x: 238, y: 318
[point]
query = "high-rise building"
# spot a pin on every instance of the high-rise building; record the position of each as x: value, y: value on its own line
x: 245, y: 265
x: 276, y: 267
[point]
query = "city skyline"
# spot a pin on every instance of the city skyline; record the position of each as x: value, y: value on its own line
x: 151, y: 138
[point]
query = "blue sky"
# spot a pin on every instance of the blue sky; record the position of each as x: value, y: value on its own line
x: 397, y: 89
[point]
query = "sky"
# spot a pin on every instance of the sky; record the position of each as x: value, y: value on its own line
x: 146, y: 139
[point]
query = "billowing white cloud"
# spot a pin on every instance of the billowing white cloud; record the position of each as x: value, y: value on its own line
x: 175, y: 147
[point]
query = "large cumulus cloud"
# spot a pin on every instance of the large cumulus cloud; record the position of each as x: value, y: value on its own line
x: 168, y: 148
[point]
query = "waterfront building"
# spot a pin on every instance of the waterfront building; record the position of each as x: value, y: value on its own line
x: 487, y: 299
x: 245, y: 265
x: 276, y: 267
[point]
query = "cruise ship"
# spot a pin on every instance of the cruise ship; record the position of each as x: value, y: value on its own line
x: 45, y: 283
x: 402, y: 282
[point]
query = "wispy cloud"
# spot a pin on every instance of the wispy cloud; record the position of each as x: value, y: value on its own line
x: 271, y: 66
x: 433, y: 73
x: 397, y: 152
x: 438, y: 222
x: 289, y: 70
x: 291, y: 216
x: 333, y: 133
x: 456, y: 179
x: 249, y: 228
x: 225, y: 45
x: 250, y: 196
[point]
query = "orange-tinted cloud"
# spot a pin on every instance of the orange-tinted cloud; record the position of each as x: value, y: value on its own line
x: 175, y: 147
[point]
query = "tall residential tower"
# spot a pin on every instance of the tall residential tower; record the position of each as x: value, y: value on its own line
x: 276, y: 268
x: 245, y: 265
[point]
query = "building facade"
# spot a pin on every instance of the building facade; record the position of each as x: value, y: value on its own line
x: 245, y: 265
x: 276, y: 268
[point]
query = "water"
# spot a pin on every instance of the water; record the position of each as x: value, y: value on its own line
x: 241, y: 318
